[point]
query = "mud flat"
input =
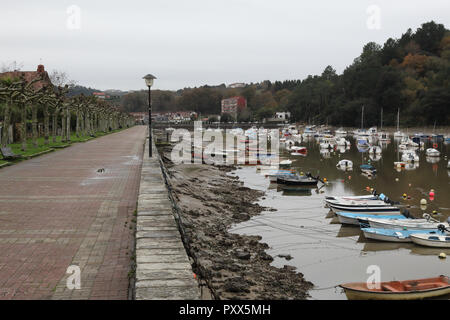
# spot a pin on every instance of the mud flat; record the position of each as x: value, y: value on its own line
x: 232, y: 266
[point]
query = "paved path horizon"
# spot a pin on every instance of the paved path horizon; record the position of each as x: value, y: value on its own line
x: 57, y: 210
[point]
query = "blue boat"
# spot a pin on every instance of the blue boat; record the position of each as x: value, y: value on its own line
x: 356, y: 218
x: 367, y: 168
x: 393, y: 235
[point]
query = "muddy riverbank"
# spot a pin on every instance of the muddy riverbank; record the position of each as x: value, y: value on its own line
x: 233, y: 266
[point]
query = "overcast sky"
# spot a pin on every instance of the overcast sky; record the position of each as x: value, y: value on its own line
x: 196, y: 42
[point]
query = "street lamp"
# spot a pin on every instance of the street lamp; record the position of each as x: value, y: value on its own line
x: 149, y: 82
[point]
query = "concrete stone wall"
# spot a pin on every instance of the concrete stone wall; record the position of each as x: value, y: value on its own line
x: 163, y: 270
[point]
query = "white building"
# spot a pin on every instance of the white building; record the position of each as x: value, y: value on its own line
x: 282, y: 116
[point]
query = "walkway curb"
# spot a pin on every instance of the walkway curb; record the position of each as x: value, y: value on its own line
x: 163, y: 270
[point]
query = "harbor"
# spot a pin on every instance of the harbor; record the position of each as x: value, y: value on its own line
x: 301, y: 232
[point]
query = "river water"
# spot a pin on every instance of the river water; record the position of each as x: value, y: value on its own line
x: 328, y: 253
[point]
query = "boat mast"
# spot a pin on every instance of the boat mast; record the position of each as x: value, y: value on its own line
x: 362, y: 118
x: 398, y: 119
x: 381, y: 119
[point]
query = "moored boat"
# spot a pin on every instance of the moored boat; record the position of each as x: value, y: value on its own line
x: 296, y: 180
x: 410, y: 224
x: 398, y: 290
x: 431, y: 152
x: 356, y: 218
x: 431, y: 240
x: 345, y: 165
x: 395, y: 235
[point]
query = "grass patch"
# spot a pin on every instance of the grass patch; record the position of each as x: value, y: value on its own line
x: 31, y: 150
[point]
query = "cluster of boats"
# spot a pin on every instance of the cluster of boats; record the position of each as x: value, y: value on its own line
x: 381, y: 219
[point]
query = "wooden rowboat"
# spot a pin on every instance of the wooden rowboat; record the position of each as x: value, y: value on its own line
x: 398, y: 290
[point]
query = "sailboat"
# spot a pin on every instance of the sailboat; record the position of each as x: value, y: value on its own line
x: 398, y: 133
x: 382, y: 135
x: 361, y: 132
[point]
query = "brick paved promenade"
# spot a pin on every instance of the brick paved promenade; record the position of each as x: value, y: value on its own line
x: 57, y: 210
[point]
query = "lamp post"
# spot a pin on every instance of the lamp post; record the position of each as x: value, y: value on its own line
x: 149, y: 82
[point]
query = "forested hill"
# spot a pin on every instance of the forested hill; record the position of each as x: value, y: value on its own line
x: 410, y: 73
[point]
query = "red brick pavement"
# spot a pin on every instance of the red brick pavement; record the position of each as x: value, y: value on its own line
x: 57, y: 210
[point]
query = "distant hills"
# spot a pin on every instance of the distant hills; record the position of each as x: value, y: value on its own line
x: 410, y: 73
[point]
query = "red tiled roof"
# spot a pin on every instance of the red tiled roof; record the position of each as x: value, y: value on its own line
x: 30, y: 76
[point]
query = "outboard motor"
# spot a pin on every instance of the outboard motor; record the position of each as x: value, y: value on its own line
x: 406, y: 213
x: 442, y: 228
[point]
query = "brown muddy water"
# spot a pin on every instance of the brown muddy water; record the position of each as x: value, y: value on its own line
x: 328, y: 253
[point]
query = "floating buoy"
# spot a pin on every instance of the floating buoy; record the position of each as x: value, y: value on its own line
x: 423, y: 202
x: 405, y: 195
x: 409, y: 197
x: 409, y: 185
x: 442, y: 255
x: 195, y: 276
x: 324, y: 179
x: 435, y: 212
x: 397, y: 179
x: 432, y: 193
x: 368, y: 188
x: 349, y: 177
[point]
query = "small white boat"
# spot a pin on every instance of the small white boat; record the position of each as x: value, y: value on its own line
x: 285, y: 164
x: 339, y: 198
x: 341, y: 132
x: 350, y: 218
x: 375, y: 150
x: 431, y: 152
x: 431, y: 240
x: 345, y: 165
x: 383, y: 136
x: 343, y: 142
x: 373, y: 131
x: 395, y: 235
x: 410, y: 156
x: 362, y: 206
x: 410, y: 224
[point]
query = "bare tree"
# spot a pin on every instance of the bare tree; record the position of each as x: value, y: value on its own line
x: 11, y: 66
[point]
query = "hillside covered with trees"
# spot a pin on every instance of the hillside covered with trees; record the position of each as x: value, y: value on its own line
x: 411, y: 73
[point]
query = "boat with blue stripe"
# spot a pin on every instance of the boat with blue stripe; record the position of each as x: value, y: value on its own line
x: 357, y: 218
x: 396, y: 235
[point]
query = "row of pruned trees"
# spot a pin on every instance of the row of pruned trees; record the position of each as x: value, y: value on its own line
x: 89, y: 114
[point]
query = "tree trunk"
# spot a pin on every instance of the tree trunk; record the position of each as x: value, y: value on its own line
x: 5, y: 128
x: 34, y: 121
x: 46, y: 125
x: 68, y: 124
x: 55, y: 125
x: 23, y: 134
x: 63, y: 125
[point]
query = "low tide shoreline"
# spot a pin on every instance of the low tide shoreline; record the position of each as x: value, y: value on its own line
x: 231, y: 266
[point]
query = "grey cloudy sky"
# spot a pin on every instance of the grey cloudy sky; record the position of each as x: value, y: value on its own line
x: 197, y: 42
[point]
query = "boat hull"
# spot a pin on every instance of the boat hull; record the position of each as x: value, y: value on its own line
x: 362, y: 209
x: 382, y: 237
x: 430, y: 243
x: 399, y: 290
x: 363, y: 295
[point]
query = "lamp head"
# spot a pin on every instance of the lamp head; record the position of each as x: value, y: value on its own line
x: 149, y: 80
